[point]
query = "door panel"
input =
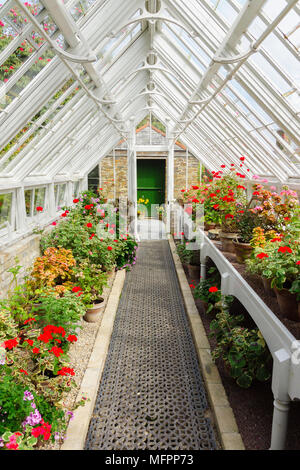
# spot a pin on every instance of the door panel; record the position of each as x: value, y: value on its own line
x: 151, y: 181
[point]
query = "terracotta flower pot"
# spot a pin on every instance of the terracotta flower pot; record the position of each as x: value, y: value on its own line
x: 267, y: 286
x: 243, y: 251
x: 209, y: 226
x: 214, y: 234
x: 288, y: 304
x: 227, y: 241
x: 194, y: 271
x: 93, y: 314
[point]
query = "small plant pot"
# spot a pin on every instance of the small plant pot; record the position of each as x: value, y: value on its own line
x: 93, y: 314
x: 208, y: 226
x: 194, y: 271
x: 227, y: 241
x: 288, y: 304
x: 267, y: 286
x: 214, y: 234
x: 243, y: 251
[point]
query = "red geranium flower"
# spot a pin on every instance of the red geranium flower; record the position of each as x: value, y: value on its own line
x: 109, y: 248
x: 228, y: 216
x: 76, y: 289
x: 75, y: 201
x: 39, y: 209
x: 35, y: 350
x: 72, y: 338
x: 262, y: 255
x: 89, y: 225
x: 298, y: 262
x: 56, y: 351
x: 24, y: 371
x: 29, y: 320
x: 285, y: 249
x: 29, y: 341
x: 65, y: 371
x: 195, y: 187
x: 10, y: 343
x: 213, y: 289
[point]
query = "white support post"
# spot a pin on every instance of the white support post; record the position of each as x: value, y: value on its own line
x: 21, y: 210
x: 186, y: 168
x: 280, y: 383
x: 52, y: 208
x: 69, y: 192
x: 132, y: 180
x: 84, y: 183
x: 114, y: 167
x: 170, y: 175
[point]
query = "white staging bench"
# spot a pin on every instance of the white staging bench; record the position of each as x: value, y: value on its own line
x: 283, y: 346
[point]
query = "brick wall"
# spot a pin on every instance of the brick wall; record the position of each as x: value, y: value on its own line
x: 26, y: 250
x: 107, y: 174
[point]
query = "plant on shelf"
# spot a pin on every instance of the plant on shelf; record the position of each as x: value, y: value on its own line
x: 274, y: 210
x: 243, y: 351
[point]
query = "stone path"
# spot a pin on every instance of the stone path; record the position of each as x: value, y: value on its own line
x: 151, y: 395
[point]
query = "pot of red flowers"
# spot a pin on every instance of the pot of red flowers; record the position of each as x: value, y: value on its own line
x: 229, y: 197
x: 287, y: 278
x: 280, y: 263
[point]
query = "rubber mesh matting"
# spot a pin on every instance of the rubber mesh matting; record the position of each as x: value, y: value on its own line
x: 151, y: 395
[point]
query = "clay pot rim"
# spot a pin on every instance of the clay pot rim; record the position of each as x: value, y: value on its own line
x: 237, y: 243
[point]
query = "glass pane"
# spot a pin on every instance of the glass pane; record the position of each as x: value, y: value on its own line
x: 5, y: 209
x: 28, y: 199
x: 39, y: 198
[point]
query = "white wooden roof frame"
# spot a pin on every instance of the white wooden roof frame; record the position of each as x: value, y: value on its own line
x: 94, y: 120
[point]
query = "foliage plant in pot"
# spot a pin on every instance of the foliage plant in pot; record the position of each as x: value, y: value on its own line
x: 262, y: 243
x: 244, y: 351
x: 246, y: 222
x: 208, y: 290
x: 193, y: 260
x: 92, y: 281
x: 285, y: 268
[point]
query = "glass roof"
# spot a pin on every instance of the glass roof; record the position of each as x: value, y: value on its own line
x: 226, y: 73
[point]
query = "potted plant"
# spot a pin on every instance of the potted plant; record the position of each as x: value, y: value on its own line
x: 246, y: 222
x: 279, y: 262
x: 244, y: 352
x: 91, y: 281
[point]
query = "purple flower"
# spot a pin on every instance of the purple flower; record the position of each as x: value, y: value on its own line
x: 28, y: 395
x: 71, y: 414
x: 33, y: 419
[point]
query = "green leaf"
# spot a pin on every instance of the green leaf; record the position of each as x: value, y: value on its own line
x: 263, y: 373
x: 244, y: 380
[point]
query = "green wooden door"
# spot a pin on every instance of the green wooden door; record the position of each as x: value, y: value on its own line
x: 151, y: 181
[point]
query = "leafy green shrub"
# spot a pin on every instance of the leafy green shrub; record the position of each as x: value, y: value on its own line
x: 65, y: 311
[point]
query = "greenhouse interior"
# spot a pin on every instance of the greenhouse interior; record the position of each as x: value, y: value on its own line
x: 149, y: 227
